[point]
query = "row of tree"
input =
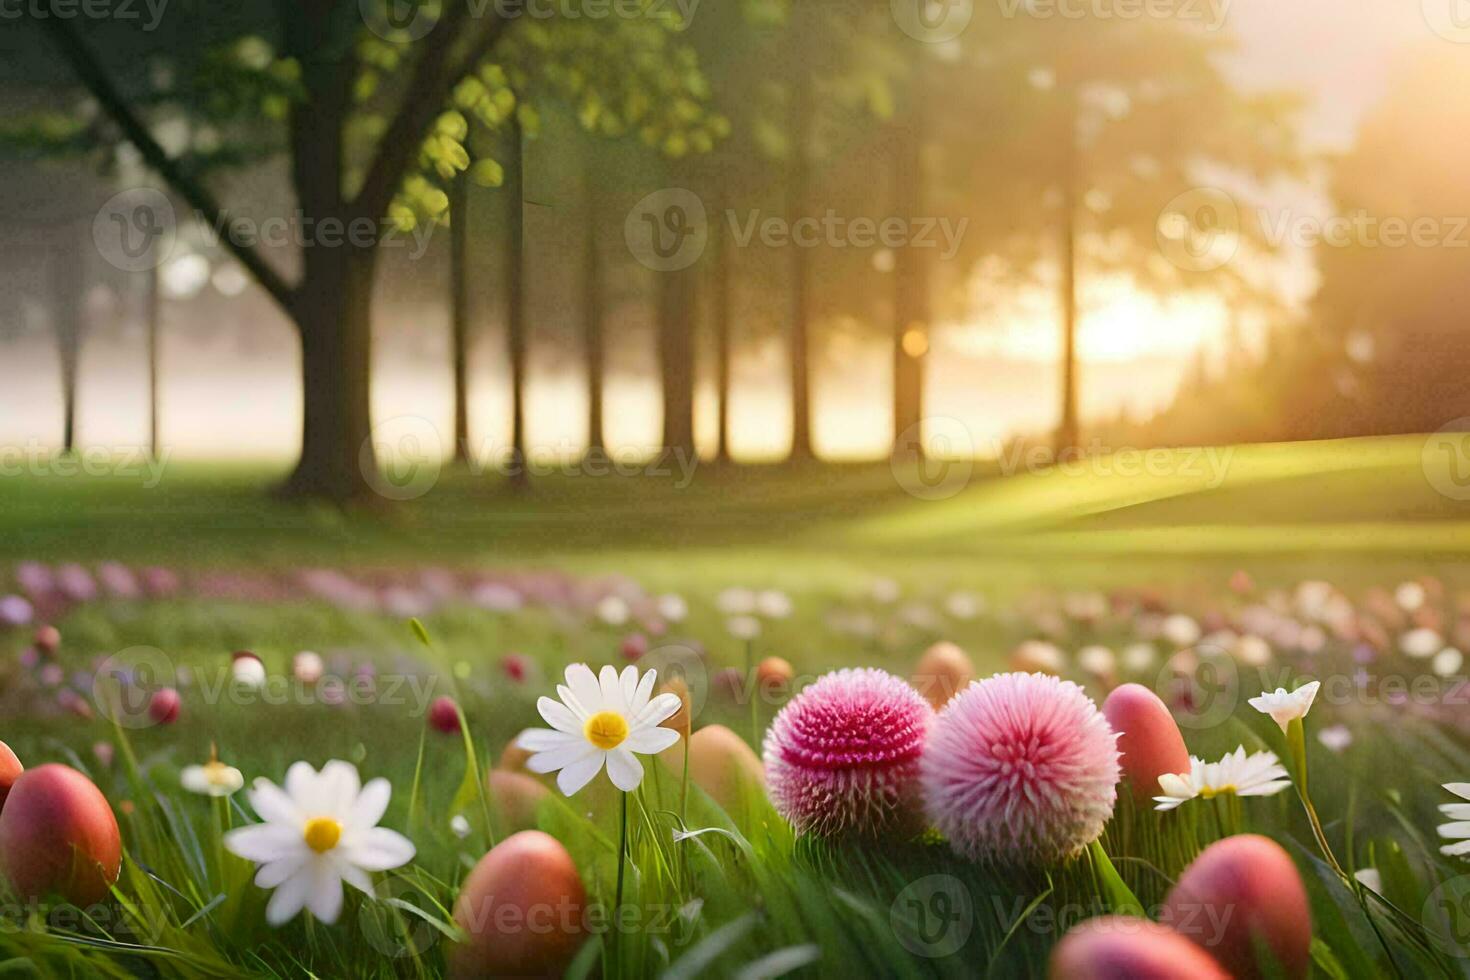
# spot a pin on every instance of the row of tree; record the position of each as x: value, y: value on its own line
x: 1062, y: 141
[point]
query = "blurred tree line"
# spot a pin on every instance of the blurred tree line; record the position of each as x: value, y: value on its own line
x: 1060, y: 143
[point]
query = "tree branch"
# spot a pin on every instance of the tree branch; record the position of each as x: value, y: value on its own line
x: 428, y: 92
x: 91, y: 74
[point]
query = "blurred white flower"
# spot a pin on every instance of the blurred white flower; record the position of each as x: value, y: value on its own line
x: 612, y: 610
x: 1447, y: 662
x: 1370, y: 879
x: 773, y: 604
x: 1139, y: 657
x: 964, y: 605
x: 1421, y: 642
x: 1258, y: 774
x: 1336, y: 737
x: 1409, y: 596
x: 320, y: 831
x: 1180, y: 630
x: 1097, y: 660
x: 247, y: 669
x: 672, y: 607
x: 1252, y: 651
x: 214, y: 778
x: 885, y: 590
x: 602, y: 719
x: 743, y: 627
x: 735, y: 601
x: 1285, y: 706
x: 459, y: 826
x: 496, y: 597
x: 307, y: 667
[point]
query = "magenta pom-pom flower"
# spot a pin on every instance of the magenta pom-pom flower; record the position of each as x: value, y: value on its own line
x: 1021, y: 767
x: 842, y: 757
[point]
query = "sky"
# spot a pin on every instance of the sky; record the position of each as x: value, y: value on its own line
x: 997, y: 375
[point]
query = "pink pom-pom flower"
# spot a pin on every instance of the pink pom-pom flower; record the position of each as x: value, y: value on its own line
x: 1021, y: 768
x: 842, y: 757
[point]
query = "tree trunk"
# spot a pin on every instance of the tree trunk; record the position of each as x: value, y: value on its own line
x: 151, y: 314
x: 721, y: 305
x: 459, y: 315
x: 517, y: 341
x: 592, y: 324
x: 676, y: 299
x: 797, y: 206
x: 334, y: 314
x: 910, y: 295
x: 1067, y: 429
x: 67, y: 287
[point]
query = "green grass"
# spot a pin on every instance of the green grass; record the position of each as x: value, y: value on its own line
x: 746, y: 898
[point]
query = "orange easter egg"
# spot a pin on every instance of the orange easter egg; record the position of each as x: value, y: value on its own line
x: 10, y: 770
x: 720, y: 763
x: 59, y: 836
x: 942, y: 672
x: 515, y: 797
x: 522, y: 909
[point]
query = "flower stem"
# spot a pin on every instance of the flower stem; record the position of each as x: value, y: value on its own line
x: 622, y: 851
x: 1296, y: 741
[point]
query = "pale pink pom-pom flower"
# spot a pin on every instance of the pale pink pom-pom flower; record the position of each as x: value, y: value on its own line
x: 1020, y: 768
x: 842, y: 757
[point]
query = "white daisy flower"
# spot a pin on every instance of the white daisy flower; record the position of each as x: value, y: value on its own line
x: 608, y: 719
x: 743, y: 627
x: 1258, y: 774
x: 1285, y: 706
x: 214, y: 778
x: 1420, y: 643
x: 1459, y: 830
x: 773, y: 604
x: 319, y: 831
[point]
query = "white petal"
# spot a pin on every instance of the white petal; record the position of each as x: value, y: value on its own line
x: 301, y: 786
x: 371, y: 804
x: 660, y: 709
x: 325, y: 897
x: 612, y: 689
x: 544, y: 739
x: 1167, y: 802
x: 1264, y: 789
x: 1456, y: 849
x: 559, y: 758
x: 1462, y: 790
x: 628, y: 682
x: 272, y: 804
x: 559, y: 716
x: 1460, y: 828
x: 274, y: 873
x: 337, y: 787
x: 378, y: 849
x: 265, y: 842
x: 584, y: 686
x: 573, y: 705
x: 354, y: 876
x: 289, y: 898
x: 650, y: 740
x: 624, y: 769
x: 642, y: 693
x: 1455, y: 811
x: 1175, y: 786
x: 193, y: 779
x: 579, y: 773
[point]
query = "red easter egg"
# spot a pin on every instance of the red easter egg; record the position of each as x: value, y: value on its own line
x: 1148, y: 739
x: 444, y: 715
x: 515, y: 797
x: 163, y: 708
x: 59, y: 836
x: 1120, y: 947
x: 1242, y: 892
x: 522, y: 909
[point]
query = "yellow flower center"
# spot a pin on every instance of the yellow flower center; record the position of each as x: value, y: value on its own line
x: 606, y: 730
x: 322, y: 834
x: 1210, y: 792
